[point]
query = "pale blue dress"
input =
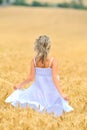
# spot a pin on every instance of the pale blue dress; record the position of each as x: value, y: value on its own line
x: 42, y: 95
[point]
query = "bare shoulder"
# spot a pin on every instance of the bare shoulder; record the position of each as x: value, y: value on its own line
x: 32, y: 62
x: 54, y: 67
x: 54, y: 62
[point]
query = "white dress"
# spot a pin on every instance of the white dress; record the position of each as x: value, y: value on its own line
x: 42, y: 95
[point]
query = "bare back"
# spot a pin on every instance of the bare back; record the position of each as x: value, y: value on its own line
x: 48, y: 63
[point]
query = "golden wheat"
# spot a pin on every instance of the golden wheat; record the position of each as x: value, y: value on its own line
x: 19, y: 27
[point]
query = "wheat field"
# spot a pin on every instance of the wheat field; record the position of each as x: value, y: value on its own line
x: 67, y: 28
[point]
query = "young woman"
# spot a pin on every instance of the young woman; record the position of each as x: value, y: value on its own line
x: 44, y: 94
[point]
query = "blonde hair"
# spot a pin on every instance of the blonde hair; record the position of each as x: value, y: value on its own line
x: 42, y: 46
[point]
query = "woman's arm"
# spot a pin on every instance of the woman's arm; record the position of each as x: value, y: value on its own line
x: 55, y: 78
x: 30, y: 77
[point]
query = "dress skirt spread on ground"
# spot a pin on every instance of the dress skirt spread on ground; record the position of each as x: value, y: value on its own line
x: 42, y: 95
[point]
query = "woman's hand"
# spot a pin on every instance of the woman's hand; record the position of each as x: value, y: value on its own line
x: 65, y: 96
x: 17, y: 87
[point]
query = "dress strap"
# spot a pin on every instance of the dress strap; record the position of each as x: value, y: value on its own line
x: 51, y: 62
x: 34, y: 61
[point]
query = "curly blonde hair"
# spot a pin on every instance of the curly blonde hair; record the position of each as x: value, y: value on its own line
x: 42, y: 46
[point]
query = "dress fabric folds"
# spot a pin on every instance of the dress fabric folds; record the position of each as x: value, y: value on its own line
x: 42, y: 95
